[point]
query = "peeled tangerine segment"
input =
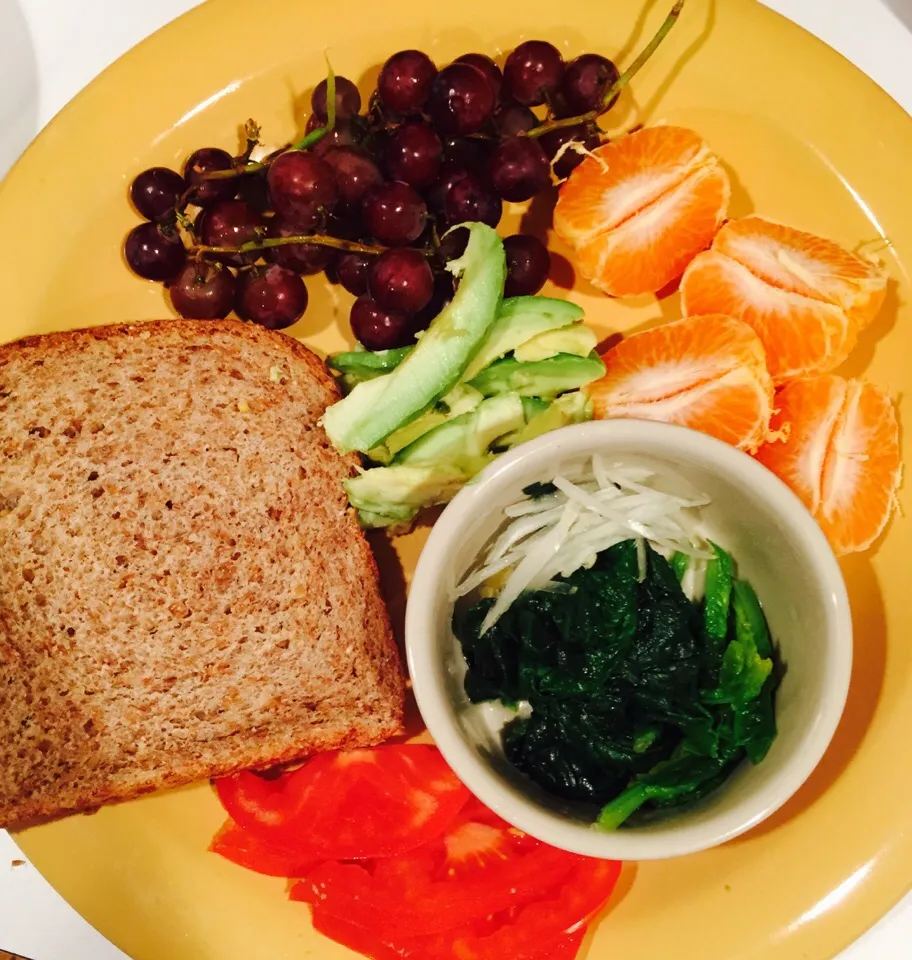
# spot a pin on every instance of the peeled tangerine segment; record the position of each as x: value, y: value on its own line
x: 805, y: 264
x: 800, y: 335
x: 639, y: 209
x: 838, y: 449
x: 806, y: 296
x: 707, y: 373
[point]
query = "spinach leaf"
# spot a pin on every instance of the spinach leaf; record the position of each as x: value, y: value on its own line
x: 537, y: 490
x: 718, y: 594
x: 637, y: 703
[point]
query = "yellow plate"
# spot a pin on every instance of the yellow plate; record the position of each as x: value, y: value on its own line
x: 810, y: 141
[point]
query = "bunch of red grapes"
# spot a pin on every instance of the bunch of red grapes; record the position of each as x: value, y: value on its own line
x: 435, y: 148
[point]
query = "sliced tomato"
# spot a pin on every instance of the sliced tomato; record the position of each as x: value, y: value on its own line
x: 351, y: 805
x: 250, y: 850
x: 563, y: 947
x: 477, y: 869
x: 563, y: 912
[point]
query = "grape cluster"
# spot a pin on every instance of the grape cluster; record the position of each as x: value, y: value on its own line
x: 369, y: 200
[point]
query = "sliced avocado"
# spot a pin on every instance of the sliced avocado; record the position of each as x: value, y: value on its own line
x: 364, y: 420
x: 570, y: 408
x: 373, y: 521
x: 412, y: 431
x: 578, y: 340
x: 367, y: 364
x: 520, y: 319
x: 543, y: 378
x: 532, y: 406
x: 385, y: 496
x: 461, y: 399
x: 463, y: 442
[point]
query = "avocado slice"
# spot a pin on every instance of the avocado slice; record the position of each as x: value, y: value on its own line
x: 367, y: 364
x: 461, y: 399
x: 364, y: 419
x: 463, y: 442
x: 518, y: 320
x: 542, y: 378
x: 392, y: 496
x: 575, y: 407
x: 578, y: 340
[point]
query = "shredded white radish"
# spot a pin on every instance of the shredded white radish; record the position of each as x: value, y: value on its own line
x: 592, y: 508
x: 530, y: 565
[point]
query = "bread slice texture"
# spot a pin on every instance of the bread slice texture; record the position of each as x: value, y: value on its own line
x: 184, y: 591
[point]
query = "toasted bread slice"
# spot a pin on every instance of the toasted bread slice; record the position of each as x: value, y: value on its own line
x: 184, y: 591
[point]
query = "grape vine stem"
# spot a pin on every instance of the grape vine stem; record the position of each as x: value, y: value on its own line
x: 620, y: 83
x: 252, y: 246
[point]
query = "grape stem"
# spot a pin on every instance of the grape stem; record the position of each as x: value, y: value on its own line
x: 252, y: 132
x: 619, y: 84
x: 251, y: 246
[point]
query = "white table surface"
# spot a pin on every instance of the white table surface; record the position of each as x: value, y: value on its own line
x: 49, y: 50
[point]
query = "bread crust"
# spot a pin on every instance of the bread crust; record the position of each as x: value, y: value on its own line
x: 324, y: 672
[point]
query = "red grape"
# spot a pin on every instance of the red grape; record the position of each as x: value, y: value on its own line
x: 519, y: 169
x: 412, y: 153
x: 553, y: 141
x: 401, y: 281
x: 394, y: 213
x: 586, y: 80
x: 443, y: 293
x: 153, y: 253
x: 528, y: 264
x: 343, y: 134
x: 377, y: 329
x: 356, y: 173
x: 450, y: 172
x: 271, y: 296
x: 405, y: 81
x: 302, y: 187
x: 348, y: 100
x: 306, y: 258
x: 488, y: 67
x: 532, y: 71
x: 208, y: 160
x: 453, y: 244
x: 461, y: 100
x: 471, y: 198
x: 473, y: 153
x: 252, y: 189
x: 514, y: 120
x: 230, y: 223
x: 155, y: 191
x: 203, y: 291
x: 351, y: 270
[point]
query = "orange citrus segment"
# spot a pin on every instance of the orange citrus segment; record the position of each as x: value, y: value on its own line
x: 805, y: 264
x: 638, y: 209
x: 840, y: 454
x: 707, y: 373
x: 801, y: 335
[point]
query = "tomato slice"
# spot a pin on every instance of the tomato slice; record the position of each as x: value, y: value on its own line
x: 563, y: 947
x: 561, y: 913
x: 351, y: 805
x: 477, y: 869
x: 250, y: 850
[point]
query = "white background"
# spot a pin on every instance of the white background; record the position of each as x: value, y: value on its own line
x: 50, y: 49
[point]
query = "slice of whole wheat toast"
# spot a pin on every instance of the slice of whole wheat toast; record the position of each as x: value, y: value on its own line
x: 183, y: 589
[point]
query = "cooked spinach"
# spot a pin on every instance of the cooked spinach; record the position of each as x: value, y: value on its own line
x: 537, y: 490
x: 641, y: 700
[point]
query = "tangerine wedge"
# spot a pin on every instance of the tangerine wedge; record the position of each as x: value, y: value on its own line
x: 806, y: 297
x: 637, y: 210
x: 838, y: 449
x: 708, y: 373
